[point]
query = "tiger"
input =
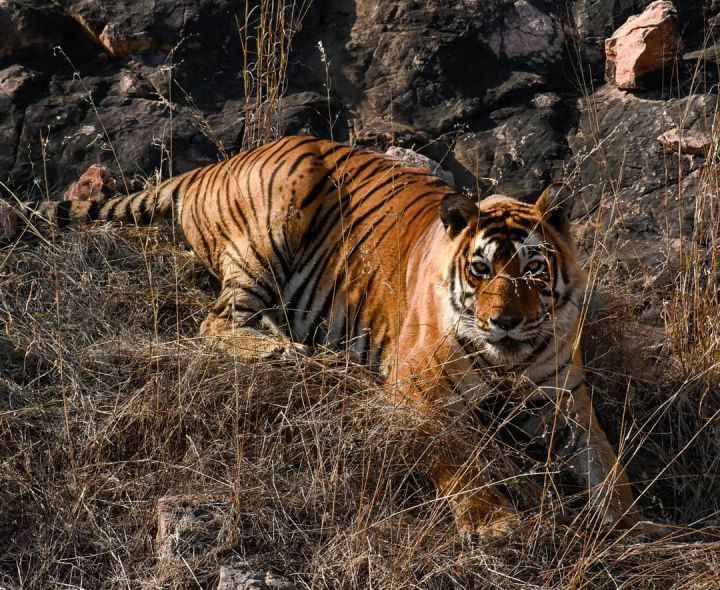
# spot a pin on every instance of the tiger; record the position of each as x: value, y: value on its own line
x: 317, y: 243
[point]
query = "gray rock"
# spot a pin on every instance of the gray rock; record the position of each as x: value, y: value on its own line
x: 32, y: 28
x: 415, y: 159
x: 623, y: 169
x: 522, y: 150
x: 123, y: 28
x: 431, y: 66
x: 189, y: 527
x: 486, y: 88
x: 241, y: 579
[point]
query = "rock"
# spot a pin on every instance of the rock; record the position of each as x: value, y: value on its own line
x: 432, y: 66
x: 9, y: 223
x: 125, y: 28
x: 240, y: 579
x: 116, y: 41
x: 626, y: 182
x: 414, y: 159
x: 310, y: 113
x: 528, y: 33
x: 643, y: 46
x: 520, y: 152
x: 456, y: 79
x: 96, y: 184
x: 189, y: 527
x: 18, y: 82
x: 133, y: 85
x: 31, y: 29
x: 697, y: 143
x: 133, y: 135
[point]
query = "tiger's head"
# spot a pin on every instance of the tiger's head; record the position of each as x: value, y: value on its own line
x: 513, y: 280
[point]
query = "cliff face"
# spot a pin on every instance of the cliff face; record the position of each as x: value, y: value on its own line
x: 502, y: 92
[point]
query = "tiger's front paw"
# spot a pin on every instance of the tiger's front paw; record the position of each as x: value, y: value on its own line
x: 260, y: 347
x: 482, y: 529
x: 651, y: 530
x: 249, y: 343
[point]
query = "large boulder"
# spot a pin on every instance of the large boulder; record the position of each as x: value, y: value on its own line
x: 30, y: 28
x: 520, y: 151
x: 432, y: 66
x: 123, y: 28
x: 643, y: 47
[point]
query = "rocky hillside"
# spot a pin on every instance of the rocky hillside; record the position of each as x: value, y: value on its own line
x: 506, y: 94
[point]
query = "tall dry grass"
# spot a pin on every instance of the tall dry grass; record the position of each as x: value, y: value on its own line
x: 266, y: 31
x: 110, y: 402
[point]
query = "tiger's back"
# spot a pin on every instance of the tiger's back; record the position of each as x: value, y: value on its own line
x: 316, y: 235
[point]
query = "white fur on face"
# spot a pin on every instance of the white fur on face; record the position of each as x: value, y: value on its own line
x: 552, y: 326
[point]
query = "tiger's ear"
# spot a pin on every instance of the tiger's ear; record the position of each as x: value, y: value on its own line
x: 456, y: 211
x: 555, y: 205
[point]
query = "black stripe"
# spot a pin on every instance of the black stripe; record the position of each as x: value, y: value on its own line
x: 275, y: 148
x: 545, y: 341
x: 316, y: 275
x: 236, y: 307
x: 327, y: 302
x: 144, y: 214
x: 201, y: 233
x: 407, y: 223
x: 203, y: 201
x: 296, y: 164
x: 504, y: 234
x: 317, y: 190
x: 175, y: 198
x: 62, y: 213
x: 333, y: 149
x: 393, y: 178
x: 453, y: 296
x: 94, y: 211
x: 360, y: 169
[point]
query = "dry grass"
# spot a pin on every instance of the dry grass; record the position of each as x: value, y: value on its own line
x: 109, y: 402
x: 266, y: 32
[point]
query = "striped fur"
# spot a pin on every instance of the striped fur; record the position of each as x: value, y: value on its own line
x: 319, y: 243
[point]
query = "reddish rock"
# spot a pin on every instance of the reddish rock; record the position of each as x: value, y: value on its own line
x: 96, y: 184
x: 8, y: 223
x: 696, y: 143
x: 111, y: 37
x: 644, y: 45
x: 132, y: 85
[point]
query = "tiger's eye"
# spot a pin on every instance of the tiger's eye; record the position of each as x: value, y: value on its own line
x: 535, y: 267
x: 479, y: 269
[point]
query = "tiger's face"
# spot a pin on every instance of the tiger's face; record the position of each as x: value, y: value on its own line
x: 513, y: 282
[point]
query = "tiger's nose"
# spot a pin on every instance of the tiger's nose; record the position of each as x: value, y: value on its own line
x: 506, y: 321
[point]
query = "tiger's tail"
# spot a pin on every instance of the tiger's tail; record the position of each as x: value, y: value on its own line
x: 141, y: 208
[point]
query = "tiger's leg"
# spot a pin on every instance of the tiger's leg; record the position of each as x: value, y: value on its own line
x: 577, y: 439
x: 595, y: 464
x: 240, y: 320
x: 481, y: 512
